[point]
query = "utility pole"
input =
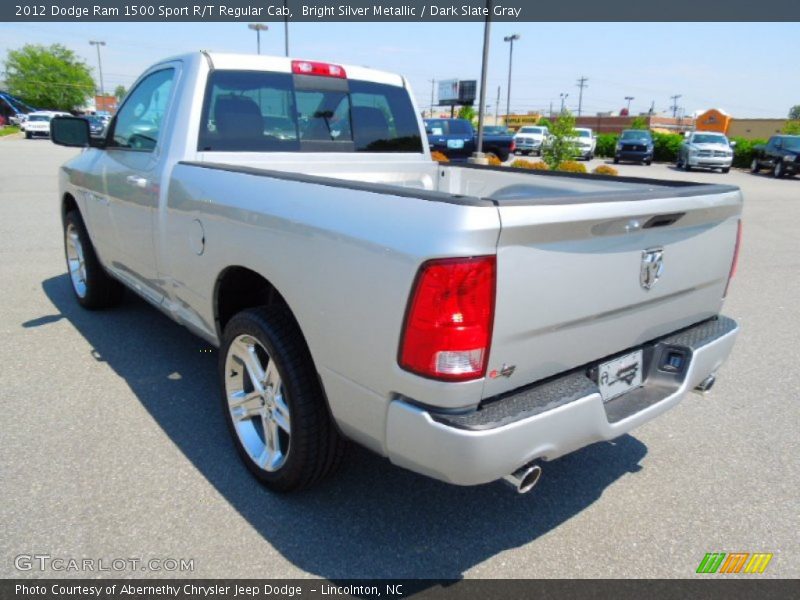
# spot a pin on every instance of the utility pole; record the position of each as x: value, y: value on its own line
x: 563, y: 100
x: 497, y: 106
x: 550, y: 114
x: 99, y: 66
x: 629, y: 98
x: 510, y: 39
x: 674, y: 106
x: 652, y: 107
x: 258, y: 28
x: 581, y: 84
x: 433, y: 85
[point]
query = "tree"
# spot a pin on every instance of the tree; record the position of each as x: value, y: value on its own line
x: 794, y: 112
x: 544, y: 122
x: 792, y: 128
x: 562, y: 141
x: 466, y: 112
x: 48, y: 77
x: 640, y: 123
x: 119, y: 92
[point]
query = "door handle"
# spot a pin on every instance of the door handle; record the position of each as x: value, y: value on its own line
x: 136, y: 181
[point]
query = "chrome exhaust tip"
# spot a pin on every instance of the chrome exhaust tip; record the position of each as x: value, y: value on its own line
x: 706, y: 385
x: 525, y: 478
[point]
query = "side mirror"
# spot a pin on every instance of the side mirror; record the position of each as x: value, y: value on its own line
x: 733, y: 143
x: 70, y: 131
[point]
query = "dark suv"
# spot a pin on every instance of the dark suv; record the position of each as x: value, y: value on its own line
x: 635, y: 145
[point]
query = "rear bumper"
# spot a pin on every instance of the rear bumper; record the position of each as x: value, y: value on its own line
x: 551, y: 418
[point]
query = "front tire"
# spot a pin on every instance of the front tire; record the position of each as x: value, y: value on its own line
x: 274, y: 403
x: 778, y: 171
x: 28, y: 135
x: 93, y: 287
x: 754, y: 166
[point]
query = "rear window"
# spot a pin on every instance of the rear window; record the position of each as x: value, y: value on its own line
x: 256, y: 111
x: 448, y: 127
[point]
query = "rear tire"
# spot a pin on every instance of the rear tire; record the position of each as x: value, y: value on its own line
x: 28, y: 135
x: 726, y: 170
x: 93, y: 287
x: 616, y: 160
x: 274, y: 403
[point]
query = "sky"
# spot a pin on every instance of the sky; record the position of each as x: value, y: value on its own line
x: 711, y: 65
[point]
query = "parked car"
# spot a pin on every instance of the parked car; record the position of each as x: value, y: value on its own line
x: 463, y: 321
x: 585, y: 143
x: 781, y: 155
x: 634, y: 145
x: 38, y: 123
x: 497, y: 130
x: 457, y: 139
x: 531, y: 139
x: 97, y: 125
x: 705, y: 149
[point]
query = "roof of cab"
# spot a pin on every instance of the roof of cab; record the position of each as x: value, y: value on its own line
x: 282, y: 64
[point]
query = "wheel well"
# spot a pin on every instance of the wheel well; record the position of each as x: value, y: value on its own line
x: 239, y: 288
x: 68, y: 204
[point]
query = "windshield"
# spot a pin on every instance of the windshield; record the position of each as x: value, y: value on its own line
x: 257, y: 111
x: 636, y: 135
x: 704, y: 138
x: 39, y: 118
x: 536, y: 130
x: 495, y: 130
x: 448, y: 127
x: 95, y: 120
x: 791, y: 143
x: 584, y: 133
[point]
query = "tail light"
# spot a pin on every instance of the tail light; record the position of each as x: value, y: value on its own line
x: 307, y: 67
x: 513, y: 145
x: 448, y: 325
x: 735, y: 261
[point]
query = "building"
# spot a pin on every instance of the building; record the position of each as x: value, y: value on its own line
x: 755, y: 129
x: 616, y: 124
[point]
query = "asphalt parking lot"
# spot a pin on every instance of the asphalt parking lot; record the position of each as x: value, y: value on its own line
x: 114, y: 446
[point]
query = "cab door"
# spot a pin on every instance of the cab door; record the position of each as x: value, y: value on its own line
x: 132, y: 167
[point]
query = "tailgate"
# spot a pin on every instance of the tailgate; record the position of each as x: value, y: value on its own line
x: 570, y: 283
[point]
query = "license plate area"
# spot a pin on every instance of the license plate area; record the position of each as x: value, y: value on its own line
x: 620, y: 375
x: 455, y: 144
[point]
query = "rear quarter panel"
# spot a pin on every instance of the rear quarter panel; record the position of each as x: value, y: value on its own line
x: 344, y: 260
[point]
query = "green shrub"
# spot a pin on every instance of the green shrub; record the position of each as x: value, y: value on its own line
x: 606, y: 144
x: 792, y: 128
x: 562, y: 146
x: 527, y: 164
x: 665, y: 146
x: 743, y: 151
x: 571, y: 166
x: 605, y: 170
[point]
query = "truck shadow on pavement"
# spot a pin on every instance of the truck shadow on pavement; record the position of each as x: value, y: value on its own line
x: 372, y: 520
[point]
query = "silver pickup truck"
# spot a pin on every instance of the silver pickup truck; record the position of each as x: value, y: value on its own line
x: 464, y: 321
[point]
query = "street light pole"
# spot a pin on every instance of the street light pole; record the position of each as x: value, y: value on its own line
x: 629, y: 98
x: 258, y: 28
x: 286, y: 28
x: 478, y: 156
x: 563, y: 100
x: 98, y: 43
x: 510, y: 39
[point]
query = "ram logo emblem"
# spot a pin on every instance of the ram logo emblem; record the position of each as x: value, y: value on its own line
x: 652, y: 267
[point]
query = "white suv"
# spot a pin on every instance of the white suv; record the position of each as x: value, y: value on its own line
x: 585, y: 142
x: 38, y: 123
